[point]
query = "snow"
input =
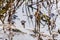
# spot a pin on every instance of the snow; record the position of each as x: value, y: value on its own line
x: 30, y: 26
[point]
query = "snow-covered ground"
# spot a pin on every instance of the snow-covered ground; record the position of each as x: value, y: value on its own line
x: 27, y: 36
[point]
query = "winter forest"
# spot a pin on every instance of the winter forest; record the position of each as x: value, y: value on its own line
x: 29, y: 19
